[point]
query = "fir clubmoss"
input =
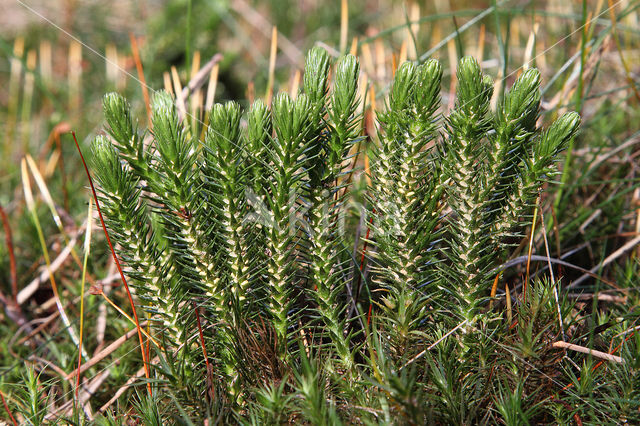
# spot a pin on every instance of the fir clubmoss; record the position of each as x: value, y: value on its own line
x: 252, y: 225
x: 126, y: 217
x: 326, y: 257
x: 404, y: 195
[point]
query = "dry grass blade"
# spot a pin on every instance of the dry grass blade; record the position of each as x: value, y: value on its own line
x: 272, y: 65
x: 530, y: 252
x: 28, y: 194
x: 507, y: 295
x: 180, y: 101
x: 141, y: 79
x: 87, y: 391
x: 344, y: 24
x: 537, y: 258
x: 552, y: 276
x: 48, y: 199
x: 436, y: 343
x: 97, y: 290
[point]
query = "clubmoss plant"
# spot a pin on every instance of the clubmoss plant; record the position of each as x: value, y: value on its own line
x: 126, y: 217
x: 293, y: 133
x: 404, y: 194
x: 224, y: 176
x: 254, y: 221
x: 325, y: 253
x: 493, y: 167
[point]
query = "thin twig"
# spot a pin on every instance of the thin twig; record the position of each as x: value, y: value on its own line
x: 200, y: 78
x: 601, y: 297
x: 582, y: 349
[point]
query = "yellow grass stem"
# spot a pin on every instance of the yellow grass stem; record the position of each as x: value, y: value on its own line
x: 75, y: 76
x: 143, y: 84
x: 344, y: 25
x: 272, y: 65
x: 533, y: 230
x: 87, y: 250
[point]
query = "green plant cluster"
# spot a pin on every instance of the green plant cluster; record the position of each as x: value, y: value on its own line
x: 247, y: 230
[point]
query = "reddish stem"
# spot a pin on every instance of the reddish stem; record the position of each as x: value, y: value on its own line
x: 204, y: 351
x: 6, y: 407
x: 115, y: 258
x: 12, y: 258
x: 364, y: 251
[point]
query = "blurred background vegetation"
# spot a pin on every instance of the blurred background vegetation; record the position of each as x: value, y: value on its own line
x: 58, y: 58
